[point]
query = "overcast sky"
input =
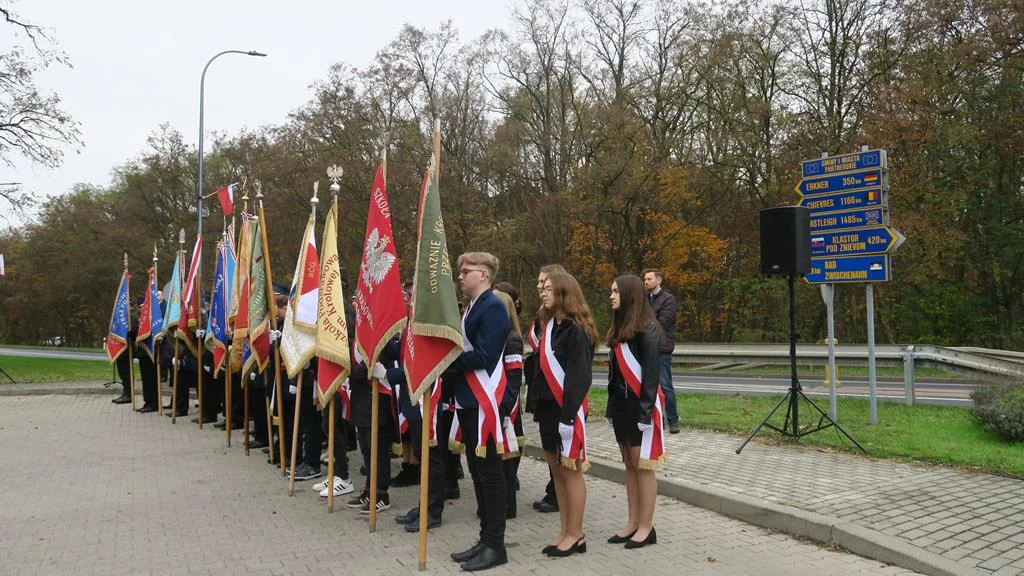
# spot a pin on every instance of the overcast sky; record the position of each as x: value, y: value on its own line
x: 137, y: 63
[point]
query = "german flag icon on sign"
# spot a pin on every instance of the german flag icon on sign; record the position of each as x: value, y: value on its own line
x: 871, y: 179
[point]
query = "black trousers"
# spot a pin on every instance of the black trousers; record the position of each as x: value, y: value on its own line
x: 437, y: 482
x: 383, y: 454
x: 186, y: 380
x: 237, y: 399
x: 340, y: 441
x: 310, y: 427
x: 488, y: 482
x: 213, y: 395
x: 452, y: 461
x: 148, y: 371
x: 258, y: 411
x: 124, y: 372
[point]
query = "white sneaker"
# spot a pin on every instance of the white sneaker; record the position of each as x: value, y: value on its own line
x: 341, y: 487
x: 322, y: 485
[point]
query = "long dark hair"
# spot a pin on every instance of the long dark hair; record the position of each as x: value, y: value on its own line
x: 634, y: 314
x: 570, y: 303
x: 509, y: 289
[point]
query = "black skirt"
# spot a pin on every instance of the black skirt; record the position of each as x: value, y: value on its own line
x: 624, y: 419
x: 547, y: 414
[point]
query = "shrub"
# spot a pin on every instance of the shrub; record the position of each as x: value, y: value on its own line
x: 999, y: 408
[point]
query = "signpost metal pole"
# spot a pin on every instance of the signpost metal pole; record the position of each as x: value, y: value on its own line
x: 828, y: 292
x: 872, y: 379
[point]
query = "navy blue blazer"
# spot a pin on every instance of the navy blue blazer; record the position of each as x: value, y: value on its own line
x: 487, y: 328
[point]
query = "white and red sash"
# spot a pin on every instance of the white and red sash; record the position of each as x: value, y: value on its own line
x: 554, y: 374
x: 488, y: 386
x: 455, y: 443
x: 652, y: 444
x: 512, y: 441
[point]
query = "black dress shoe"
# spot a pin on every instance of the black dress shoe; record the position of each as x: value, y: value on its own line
x: 545, y: 506
x: 256, y: 444
x: 616, y: 539
x: 414, y: 526
x: 468, y: 554
x: 487, y: 558
x: 652, y: 538
x: 146, y: 410
x: 409, y: 517
x: 453, y: 494
x: 122, y: 399
x: 556, y: 552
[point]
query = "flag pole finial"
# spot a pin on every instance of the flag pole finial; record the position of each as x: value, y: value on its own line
x: 126, y: 260
x: 316, y: 187
x: 181, y: 238
x: 258, y: 187
x: 334, y: 173
x: 154, y: 254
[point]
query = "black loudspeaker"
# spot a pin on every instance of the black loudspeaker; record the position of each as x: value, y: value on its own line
x: 785, y: 240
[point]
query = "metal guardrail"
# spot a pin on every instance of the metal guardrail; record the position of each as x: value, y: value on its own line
x: 980, y: 363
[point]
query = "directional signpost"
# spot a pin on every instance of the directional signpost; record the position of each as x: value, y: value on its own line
x: 851, y: 241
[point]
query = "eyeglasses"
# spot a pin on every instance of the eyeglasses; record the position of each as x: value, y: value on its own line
x: 467, y: 271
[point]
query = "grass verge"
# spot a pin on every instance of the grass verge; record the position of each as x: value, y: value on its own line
x: 922, y: 433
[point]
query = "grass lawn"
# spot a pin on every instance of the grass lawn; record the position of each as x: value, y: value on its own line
x: 922, y: 433
x: 34, y: 370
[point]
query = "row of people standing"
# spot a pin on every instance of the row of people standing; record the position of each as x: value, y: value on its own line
x: 558, y: 376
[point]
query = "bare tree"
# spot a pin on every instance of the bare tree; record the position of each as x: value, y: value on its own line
x: 32, y: 123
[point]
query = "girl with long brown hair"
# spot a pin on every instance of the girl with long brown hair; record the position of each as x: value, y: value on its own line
x: 635, y: 405
x: 565, y: 360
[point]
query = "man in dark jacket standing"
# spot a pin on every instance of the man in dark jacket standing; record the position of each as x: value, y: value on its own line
x: 664, y: 306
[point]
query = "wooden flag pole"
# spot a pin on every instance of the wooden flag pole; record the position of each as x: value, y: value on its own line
x: 245, y: 409
x: 156, y: 348
x: 131, y: 344
x: 200, y: 346
x: 425, y: 399
x: 272, y: 306
x: 177, y: 341
x: 295, y: 435
x: 227, y: 355
x: 270, y: 427
x: 330, y: 455
x: 334, y: 173
x: 424, y: 472
x: 375, y: 403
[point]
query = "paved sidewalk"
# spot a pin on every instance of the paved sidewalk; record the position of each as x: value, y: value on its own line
x: 92, y: 488
x: 974, y: 519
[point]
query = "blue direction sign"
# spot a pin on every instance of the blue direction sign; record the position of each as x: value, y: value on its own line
x: 873, y: 240
x: 872, y: 268
x: 827, y: 222
x: 863, y: 198
x: 839, y: 182
x: 845, y: 163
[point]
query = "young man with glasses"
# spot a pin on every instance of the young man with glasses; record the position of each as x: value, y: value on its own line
x: 477, y: 378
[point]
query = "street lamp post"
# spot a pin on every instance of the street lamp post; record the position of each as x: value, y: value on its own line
x: 199, y: 214
x: 202, y: 93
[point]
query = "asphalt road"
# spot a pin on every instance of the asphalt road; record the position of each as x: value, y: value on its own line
x: 956, y: 393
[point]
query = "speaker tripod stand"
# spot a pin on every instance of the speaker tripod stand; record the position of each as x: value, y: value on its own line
x: 4, y: 372
x: 791, y: 425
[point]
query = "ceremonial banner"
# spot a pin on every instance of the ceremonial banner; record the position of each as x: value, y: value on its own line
x: 332, y: 346
x: 172, y: 296
x: 240, y: 296
x: 380, y: 308
x: 298, y: 336
x: 117, y: 334
x: 217, y: 320
x: 434, y: 337
x: 259, y: 322
x: 151, y: 320
x: 226, y: 195
x: 189, y: 319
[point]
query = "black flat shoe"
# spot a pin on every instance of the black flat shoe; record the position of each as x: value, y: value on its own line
x: 580, y: 546
x: 409, y: 517
x: 467, y: 555
x: 652, y: 538
x: 616, y: 539
x: 487, y: 558
x: 146, y: 410
x: 545, y: 507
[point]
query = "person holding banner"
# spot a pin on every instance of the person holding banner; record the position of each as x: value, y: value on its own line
x: 478, y: 377
x: 635, y: 405
x: 565, y: 360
